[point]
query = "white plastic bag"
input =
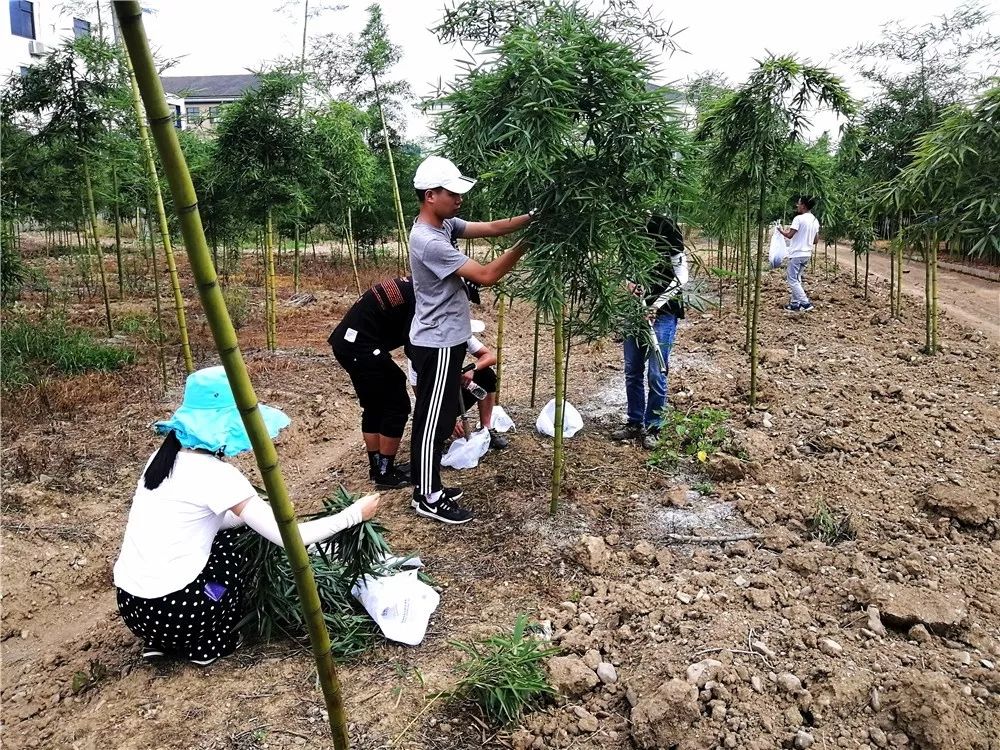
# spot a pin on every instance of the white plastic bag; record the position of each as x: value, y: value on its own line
x: 779, y: 247
x: 501, y: 420
x: 465, y: 454
x: 546, y: 422
x: 401, y: 604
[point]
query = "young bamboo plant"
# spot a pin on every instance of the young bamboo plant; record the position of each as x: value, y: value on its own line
x: 161, y: 123
x: 560, y: 118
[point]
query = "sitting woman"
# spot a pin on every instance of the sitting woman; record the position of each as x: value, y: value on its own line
x: 178, y: 575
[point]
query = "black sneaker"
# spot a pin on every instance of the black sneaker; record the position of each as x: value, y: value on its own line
x: 391, y: 480
x: 792, y: 307
x: 445, y: 510
x: 452, y: 493
x: 628, y: 432
x: 806, y: 307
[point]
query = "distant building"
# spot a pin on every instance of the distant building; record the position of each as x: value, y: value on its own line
x: 33, y: 29
x: 198, y: 100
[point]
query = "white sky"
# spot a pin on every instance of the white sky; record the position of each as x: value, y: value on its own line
x: 231, y: 36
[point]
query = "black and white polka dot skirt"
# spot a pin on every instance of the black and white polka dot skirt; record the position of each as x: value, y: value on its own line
x: 198, y: 622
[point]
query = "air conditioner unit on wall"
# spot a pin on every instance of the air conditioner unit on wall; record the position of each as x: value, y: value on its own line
x: 37, y: 49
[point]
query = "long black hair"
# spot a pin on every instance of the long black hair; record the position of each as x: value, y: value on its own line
x: 163, y: 462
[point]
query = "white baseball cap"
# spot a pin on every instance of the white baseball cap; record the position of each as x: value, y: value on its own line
x: 436, y: 171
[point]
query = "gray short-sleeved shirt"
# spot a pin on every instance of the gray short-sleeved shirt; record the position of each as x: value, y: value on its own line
x: 442, y: 313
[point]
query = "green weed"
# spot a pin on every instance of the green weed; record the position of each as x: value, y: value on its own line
x: 830, y: 526
x: 503, y: 674
x: 237, y: 299
x: 696, y: 434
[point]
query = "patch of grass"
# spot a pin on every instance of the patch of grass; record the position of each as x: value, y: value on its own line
x: 696, y: 434
x: 31, y: 350
x: 137, y: 324
x: 830, y: 526
x: 503, y: 674
x: 237, y: 298
x: 703, y: 488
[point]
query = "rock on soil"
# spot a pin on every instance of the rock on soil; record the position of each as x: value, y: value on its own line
x: 569, y: 676
x: 964, y: 504
x: 724, y: 468
x: 905, y: 606
x: 593, y: 554
x: 664, y: 718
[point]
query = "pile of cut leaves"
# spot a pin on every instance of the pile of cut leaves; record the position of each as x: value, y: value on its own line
x: 338, y: 563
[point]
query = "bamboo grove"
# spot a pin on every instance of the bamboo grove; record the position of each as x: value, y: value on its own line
x: 559, y: 116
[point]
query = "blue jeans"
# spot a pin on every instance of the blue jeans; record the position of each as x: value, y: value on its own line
x: 642, y: 410
x: 794, y: 275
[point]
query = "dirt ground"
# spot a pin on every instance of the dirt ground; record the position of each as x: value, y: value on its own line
x: 891, y: 639
x: 972, y: 301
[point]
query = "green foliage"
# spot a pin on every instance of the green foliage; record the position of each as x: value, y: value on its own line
x: 917, y: 73
x: 704, y: 488
x: 698, y: 434
x: 830, y: 526
x: 13, y: 275
x: 503, y: 674
x: 237, y: 297
x: 338, y: 562
x: 951, y: 188
x: 32, y: 350
x: 261, y: 156
x: 360, y: 549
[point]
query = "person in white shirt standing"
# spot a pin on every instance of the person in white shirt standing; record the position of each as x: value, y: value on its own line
x: 803, y: 234
x: 180, y: 575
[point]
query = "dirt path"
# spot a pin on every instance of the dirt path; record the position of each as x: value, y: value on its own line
x: 971, y: 300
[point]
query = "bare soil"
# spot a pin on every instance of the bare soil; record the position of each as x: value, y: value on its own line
x: 853, y: 416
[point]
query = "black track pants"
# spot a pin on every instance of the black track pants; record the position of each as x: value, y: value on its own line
x: 438, y: 381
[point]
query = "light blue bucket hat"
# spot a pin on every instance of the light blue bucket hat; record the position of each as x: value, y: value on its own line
x: 208, y: 417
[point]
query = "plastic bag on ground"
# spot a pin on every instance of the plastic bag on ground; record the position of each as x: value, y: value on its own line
x: 546, y: 422
x: 779, y: 247
x: 465, y: 454
x: 401, y: 604
x: 501, y: 420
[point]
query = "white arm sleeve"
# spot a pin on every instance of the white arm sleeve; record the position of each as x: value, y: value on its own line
x: 680, y: 266
x: 258, y: 516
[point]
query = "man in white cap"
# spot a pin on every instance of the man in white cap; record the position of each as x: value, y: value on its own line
x: 441, y: 325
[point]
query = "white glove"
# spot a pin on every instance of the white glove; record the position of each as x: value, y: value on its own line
x: 260, y: 518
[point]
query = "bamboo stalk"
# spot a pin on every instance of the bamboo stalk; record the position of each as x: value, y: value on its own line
x: 160, y: 338
x: 534, y: 358
x: 400, y: 222
x: 118, y: 232
x: 756, y: 291
x: 295, y: 262
x: 558, y: 457
x: 269, y: 284
x: 501, y: 318
x: 97, y: 243
x: 130, y: 17
x: 161, y: 215
x: 350, y: 251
